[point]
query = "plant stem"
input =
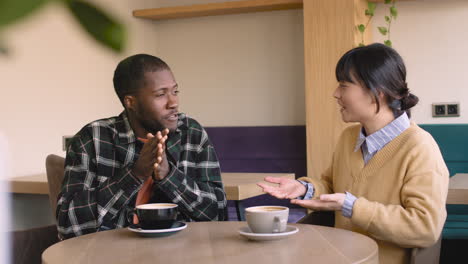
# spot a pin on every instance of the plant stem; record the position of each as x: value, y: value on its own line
x: 367, y: 24
x: 390, y: 21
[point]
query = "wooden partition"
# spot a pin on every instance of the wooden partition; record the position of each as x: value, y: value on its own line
x: 329, y: 31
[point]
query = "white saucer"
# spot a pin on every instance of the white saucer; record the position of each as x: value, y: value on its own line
x: 177, y: 226
x: 247, y: 233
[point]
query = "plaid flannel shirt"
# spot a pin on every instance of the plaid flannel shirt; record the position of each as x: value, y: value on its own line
x: 99, y: 188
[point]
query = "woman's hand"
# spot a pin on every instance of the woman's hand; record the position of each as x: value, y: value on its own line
x: 326, y: 202
x: 287, y: 189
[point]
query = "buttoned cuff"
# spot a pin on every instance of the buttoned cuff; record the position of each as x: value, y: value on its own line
x: 347, y: 210
x: 310, y: 191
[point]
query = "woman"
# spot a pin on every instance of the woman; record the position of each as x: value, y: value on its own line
x: 387, y: 179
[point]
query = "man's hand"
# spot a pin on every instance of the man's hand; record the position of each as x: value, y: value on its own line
x: 326, y: 202
x: 287, y: 189
x: 161, y: 167
x: 144, y: 165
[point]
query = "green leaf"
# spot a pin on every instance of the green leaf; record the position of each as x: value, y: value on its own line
x: 388, y: 42
x: 361, y: 28
x: 387, y: 19
x: 383, y: 30
x: 388, y: 1
x: 98, y: 24
x: 14, y: 10
x: 371, y: 6
x: 393, y: 12
x: 3, y: 49
x: 369, y: 13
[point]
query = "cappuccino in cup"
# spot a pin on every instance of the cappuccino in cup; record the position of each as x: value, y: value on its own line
x: 267, y: 208
x: 267, y: 219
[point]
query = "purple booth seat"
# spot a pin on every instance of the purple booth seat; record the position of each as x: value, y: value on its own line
x: 274, y: 149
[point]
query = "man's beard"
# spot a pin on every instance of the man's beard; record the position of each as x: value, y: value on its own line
x: 152, y: 126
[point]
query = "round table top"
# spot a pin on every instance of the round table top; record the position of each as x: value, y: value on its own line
x: 216, y: 242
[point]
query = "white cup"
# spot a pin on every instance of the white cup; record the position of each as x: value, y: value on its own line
x: 267, y: 218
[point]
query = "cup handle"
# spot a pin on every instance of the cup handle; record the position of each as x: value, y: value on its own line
x: 130, y: 214
x: 277, y: 223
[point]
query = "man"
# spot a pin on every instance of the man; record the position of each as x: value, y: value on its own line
x: 109, y: 160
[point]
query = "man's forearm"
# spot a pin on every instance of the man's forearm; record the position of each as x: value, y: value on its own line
x: 200, y: 200
x: 83, y: 208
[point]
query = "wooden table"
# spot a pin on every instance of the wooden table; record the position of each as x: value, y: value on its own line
x: 238, y: 186
x: 458, y: 189
x: 34, y: 184
x: 30, y: 202
x: 216, y: 242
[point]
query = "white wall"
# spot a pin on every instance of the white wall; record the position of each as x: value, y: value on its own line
x: 234, y: 70
x: 237, y: 70
x: 57, y: 79
x: 432, y: 38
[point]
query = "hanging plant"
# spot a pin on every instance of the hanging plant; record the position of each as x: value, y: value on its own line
x: 370, y: 14
x: 385, y: 30
x: 393, y: 13
x: 106, y: 30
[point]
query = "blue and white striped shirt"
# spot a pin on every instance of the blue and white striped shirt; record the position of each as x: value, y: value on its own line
x: 369, y: 146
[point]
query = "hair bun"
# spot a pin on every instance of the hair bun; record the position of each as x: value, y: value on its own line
x: 409, y: 101
x: 405, y: 90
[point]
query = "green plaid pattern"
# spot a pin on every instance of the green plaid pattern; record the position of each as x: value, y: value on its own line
x: 99, y: 188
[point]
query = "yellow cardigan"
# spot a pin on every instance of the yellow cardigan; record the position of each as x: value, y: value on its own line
x: 401, y: 191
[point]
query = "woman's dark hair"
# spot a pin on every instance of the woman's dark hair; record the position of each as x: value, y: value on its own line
x: 379, y: 69
x: 129, y: 76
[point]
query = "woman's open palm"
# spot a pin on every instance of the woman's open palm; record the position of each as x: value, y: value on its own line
x: 287, y: 188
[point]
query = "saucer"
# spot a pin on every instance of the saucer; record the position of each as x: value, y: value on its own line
x: 247, y: 233
x: 176, y: 227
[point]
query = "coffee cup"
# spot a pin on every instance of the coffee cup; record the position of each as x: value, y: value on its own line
x: 155, y: 215
x: 267, y: 219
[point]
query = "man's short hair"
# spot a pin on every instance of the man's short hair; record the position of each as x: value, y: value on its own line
x: 129, y: 74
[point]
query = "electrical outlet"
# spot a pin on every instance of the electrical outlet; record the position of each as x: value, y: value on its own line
x: 453, y: 109
x: 439, y: 110
x: 445, y: 109
x: 66, y: 142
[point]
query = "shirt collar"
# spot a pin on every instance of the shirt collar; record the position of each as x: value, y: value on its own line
x: 182, y: 123
x: 125, y: 131
x: 383, y: 136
